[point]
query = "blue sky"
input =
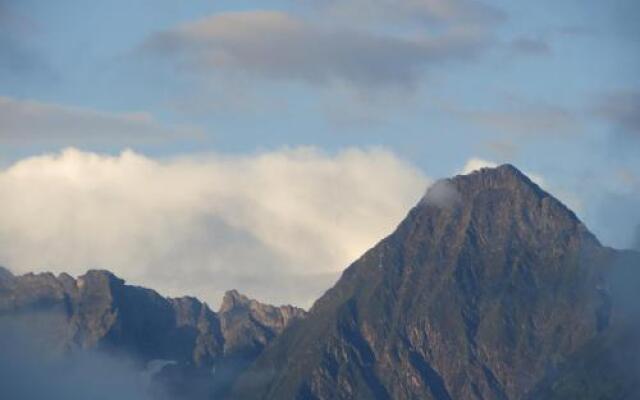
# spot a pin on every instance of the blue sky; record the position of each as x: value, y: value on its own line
x: 550, y: 86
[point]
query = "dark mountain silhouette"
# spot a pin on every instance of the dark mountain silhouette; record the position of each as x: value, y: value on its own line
x: 489, y: 289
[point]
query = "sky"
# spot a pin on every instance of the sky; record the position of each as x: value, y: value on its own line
x: 201, y: 146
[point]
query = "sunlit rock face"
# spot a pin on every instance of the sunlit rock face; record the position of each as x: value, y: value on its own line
x: 487, y: 289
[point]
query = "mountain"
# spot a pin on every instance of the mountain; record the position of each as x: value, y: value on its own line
x: 98, y: 311
x: 489, y: 289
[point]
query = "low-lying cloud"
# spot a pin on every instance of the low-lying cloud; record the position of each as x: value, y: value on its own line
x: 279, y: 226
x: 618, y: 217
x: 31, y: 370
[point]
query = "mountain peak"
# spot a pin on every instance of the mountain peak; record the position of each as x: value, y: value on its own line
x: 505, y: 184
x: 98, y: 279
x: 503, y: 168
x: 505, y: 176
x: 507, y: 169
x: 450, y: 191
x: 455, y: 303
x: 233, y: 299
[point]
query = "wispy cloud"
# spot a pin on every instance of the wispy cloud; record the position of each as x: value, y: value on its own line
x: 430, y: 12
x: 475, y: 164
x: 18, y: 54
x: 280, y: 46
x: 622, y: 110
x: 530, y: 45
x: 525, y: 118
x: 30, y: 123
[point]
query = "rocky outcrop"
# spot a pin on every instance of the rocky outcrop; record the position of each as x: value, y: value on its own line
x: 248, y: 326
x: 487, y: 287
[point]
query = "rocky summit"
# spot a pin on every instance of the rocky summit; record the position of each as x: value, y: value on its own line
x: 489, y: 289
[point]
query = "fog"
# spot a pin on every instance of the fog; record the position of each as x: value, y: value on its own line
x: 32, y: 367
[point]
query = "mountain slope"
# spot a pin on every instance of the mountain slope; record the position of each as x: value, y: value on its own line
x: 98, y: 311
x: 488, y: 285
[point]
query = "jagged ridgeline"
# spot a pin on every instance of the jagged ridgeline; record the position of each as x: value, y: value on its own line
x: 200, y: 351
x: 489, y: 289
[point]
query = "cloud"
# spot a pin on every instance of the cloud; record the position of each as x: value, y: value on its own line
x: 617, y: 212
x: 514, y: 122
x: 442, y: 194
x: 279, y: 46
x: 18, y: 59
x: 618, y: 218
x: 29, y: 123
x: 503, y: 148
x: 530, y: 45
x: 622, y: 110
x: 527, y: 120
x: 636, y: 240
x: 31, y: 370
x: 18, y: 55
x: 439, y: 12
x: 475, y: 164
x: 279, y: 226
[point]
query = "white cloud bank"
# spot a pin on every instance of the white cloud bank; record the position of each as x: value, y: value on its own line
x: 279, y: 226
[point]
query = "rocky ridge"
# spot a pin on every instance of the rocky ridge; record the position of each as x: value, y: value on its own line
x: 98, y: 311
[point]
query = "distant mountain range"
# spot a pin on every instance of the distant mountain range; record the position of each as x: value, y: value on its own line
x: 489, y: 289
x: 97, y: 311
